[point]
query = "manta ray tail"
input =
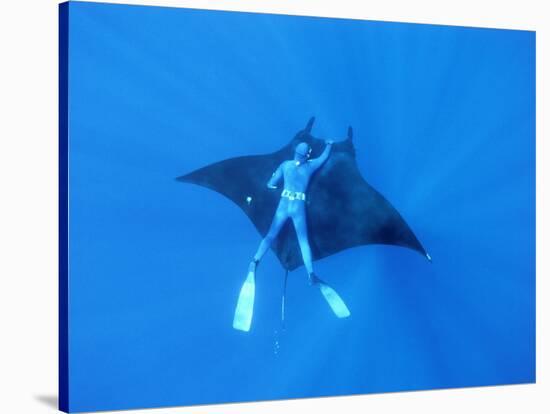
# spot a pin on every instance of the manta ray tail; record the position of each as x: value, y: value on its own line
x: 283, y: 300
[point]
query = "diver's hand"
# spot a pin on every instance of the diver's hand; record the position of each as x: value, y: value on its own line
x: 272, y: 187
x: 329, y: 142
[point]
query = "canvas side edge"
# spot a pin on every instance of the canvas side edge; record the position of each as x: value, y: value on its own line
x: 63, y: 208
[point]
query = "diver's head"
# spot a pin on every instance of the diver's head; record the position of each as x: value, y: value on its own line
x: 302, y: 151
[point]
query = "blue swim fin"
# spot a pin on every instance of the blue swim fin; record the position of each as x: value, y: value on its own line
x: 245, y: 305
x: 334, y: 300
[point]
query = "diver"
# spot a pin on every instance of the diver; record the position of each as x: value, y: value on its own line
x: 296, y: 174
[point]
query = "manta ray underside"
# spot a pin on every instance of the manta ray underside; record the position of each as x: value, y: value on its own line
x: 343, y: 210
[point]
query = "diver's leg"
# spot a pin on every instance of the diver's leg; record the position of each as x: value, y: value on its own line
x: 335, y: 302
x: 245, y: 305
x: 276, y: 225
x: 300, y: 224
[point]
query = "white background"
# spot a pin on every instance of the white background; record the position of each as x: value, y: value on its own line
x: 28, y: 203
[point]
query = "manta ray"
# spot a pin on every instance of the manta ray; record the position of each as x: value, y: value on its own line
x: 343, y: 209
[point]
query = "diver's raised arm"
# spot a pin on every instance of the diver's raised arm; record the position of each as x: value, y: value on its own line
x: 276, y: 177
x: 317, y: 162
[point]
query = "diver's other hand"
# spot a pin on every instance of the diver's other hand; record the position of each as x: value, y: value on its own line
x: 329, y: 142
x: 271, y: 187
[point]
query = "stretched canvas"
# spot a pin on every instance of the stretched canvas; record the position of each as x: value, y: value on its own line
x: 259, y: 206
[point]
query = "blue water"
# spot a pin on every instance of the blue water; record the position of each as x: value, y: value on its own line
x: 444, y: 122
